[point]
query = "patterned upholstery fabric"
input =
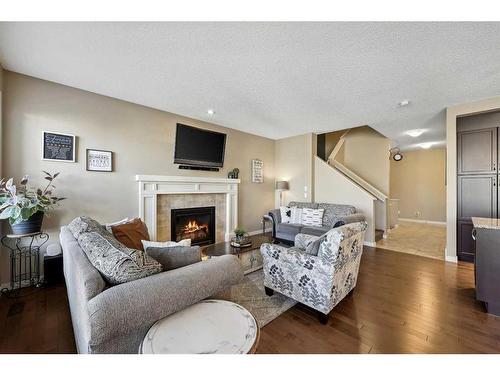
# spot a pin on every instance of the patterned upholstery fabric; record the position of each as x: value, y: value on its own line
x: 117, y: 263
x: 321, y: 281
x: 303, y: 204
x: 334, y: 212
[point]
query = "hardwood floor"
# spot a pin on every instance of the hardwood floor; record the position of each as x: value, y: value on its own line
x: 402, y: 304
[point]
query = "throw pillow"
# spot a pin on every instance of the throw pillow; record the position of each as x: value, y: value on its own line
x: 131, y: 234
x: 296, y: 215
x: 312, y: 217
x: 175, y: 256
x: 122, y: 221
x: 285, y: 212
x: 312, y: 248
x: 117, y: 263
x: 183, y: 243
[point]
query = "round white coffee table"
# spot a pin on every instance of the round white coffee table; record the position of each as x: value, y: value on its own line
x: 207, y: 327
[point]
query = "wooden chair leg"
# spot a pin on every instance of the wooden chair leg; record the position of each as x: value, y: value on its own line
x: 323, y: 318
x: 269, y: 291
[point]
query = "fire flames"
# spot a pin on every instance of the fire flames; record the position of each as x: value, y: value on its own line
x: 192, y: 226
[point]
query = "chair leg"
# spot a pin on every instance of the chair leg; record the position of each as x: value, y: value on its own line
x: 269, y: 291
x: 323, y: 318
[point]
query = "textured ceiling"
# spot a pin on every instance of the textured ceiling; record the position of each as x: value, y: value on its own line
x: 272, y: 79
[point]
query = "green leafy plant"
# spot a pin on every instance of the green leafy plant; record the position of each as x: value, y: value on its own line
x: 239, y: 232
x: 19, y: 204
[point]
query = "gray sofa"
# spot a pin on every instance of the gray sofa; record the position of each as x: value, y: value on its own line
x: 335, y: 215
x: 115, y: 319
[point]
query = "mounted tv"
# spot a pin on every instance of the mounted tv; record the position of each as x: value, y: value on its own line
x: 199, y: 147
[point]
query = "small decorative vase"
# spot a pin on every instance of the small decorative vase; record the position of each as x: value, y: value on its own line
x: 32, y: 225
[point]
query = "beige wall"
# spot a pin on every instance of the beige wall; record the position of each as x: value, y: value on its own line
x: 418, y: 181
x: 366, y: 153
x: 141, y: 138
x: 331, y: 186
x: 293, y: 163
x: 452, y: 113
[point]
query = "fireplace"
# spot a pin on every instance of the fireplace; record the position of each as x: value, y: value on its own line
x: 197, y: 224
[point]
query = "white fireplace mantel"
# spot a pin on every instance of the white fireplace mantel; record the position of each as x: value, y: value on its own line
x: 150, y: 186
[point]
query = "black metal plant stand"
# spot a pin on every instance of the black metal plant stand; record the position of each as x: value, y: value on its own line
x: 24, y: 260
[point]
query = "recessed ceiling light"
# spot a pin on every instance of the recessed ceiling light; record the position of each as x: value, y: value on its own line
x: 415, y: 132
x: 211, y: 112
x: 425, y: 145
x: 404, y: 103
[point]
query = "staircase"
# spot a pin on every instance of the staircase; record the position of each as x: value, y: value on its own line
x: 335, y: 160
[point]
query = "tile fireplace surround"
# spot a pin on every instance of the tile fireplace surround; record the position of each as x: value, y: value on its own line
x: 159, y: 194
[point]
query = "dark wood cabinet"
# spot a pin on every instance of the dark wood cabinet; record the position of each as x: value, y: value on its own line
x: 465, y: 242
x: 477, y: 176
x: 477, y: 196
x: 477, y: 151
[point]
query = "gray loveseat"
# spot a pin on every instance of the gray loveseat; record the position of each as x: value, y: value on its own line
x: 335, y: 215
x: 115, y: 319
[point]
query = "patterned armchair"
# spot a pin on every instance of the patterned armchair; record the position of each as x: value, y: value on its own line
x: 320, y: 281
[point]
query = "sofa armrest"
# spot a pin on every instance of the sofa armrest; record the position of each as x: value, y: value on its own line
x: 132, y: 308
x: 294, y: 256
x: 276, y: 219
x: 348, y: 219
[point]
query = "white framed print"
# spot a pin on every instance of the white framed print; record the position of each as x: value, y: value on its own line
x: 99, y: 160
x: 257, y: 171
x: 58, y: 146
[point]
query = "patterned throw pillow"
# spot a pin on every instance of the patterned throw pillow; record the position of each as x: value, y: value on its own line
x: 117, y: 263
x: 312, y: 217
x: 182, y: 243
x: 286, y: 213
x: 296, y: 216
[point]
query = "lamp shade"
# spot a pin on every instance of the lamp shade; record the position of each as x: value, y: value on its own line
x: 281, y: 185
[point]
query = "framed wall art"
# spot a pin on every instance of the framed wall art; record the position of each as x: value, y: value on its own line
x: 257, y: 171
x: 99, y: 160
x: 58, y: 147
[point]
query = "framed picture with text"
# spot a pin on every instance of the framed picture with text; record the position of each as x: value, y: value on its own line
x: 99, y: 160
x: 58, y: 147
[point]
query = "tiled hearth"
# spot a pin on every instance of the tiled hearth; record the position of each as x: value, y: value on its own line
x: 158, y: 195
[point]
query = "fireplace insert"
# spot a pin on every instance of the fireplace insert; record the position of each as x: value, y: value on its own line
x: 197, y: 224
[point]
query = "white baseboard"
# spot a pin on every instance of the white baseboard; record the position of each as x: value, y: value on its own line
x: 368, y: 243
x: 451, y: 258
x: 423, y: 221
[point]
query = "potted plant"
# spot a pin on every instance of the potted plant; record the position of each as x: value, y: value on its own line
x: 241, y: 235
x: 25, y: 207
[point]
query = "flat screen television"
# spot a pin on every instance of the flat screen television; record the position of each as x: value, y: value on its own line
x: 199, y: 147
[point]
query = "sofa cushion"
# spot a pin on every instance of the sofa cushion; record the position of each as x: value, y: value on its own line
x: 314, y: 231
x: 303, y: 204
x: 116, y: 263
x: 292, y: 229
x: 334, y: 212
x: 173, y: 257
x: 131, y: 234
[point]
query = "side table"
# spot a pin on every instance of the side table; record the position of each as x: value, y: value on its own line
x: 24, y: 259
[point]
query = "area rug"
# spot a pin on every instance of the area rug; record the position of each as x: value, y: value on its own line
x: 250, y: 294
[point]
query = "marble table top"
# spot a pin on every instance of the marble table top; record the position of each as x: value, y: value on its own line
x: 207, y: 327
x: 486, y: 223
